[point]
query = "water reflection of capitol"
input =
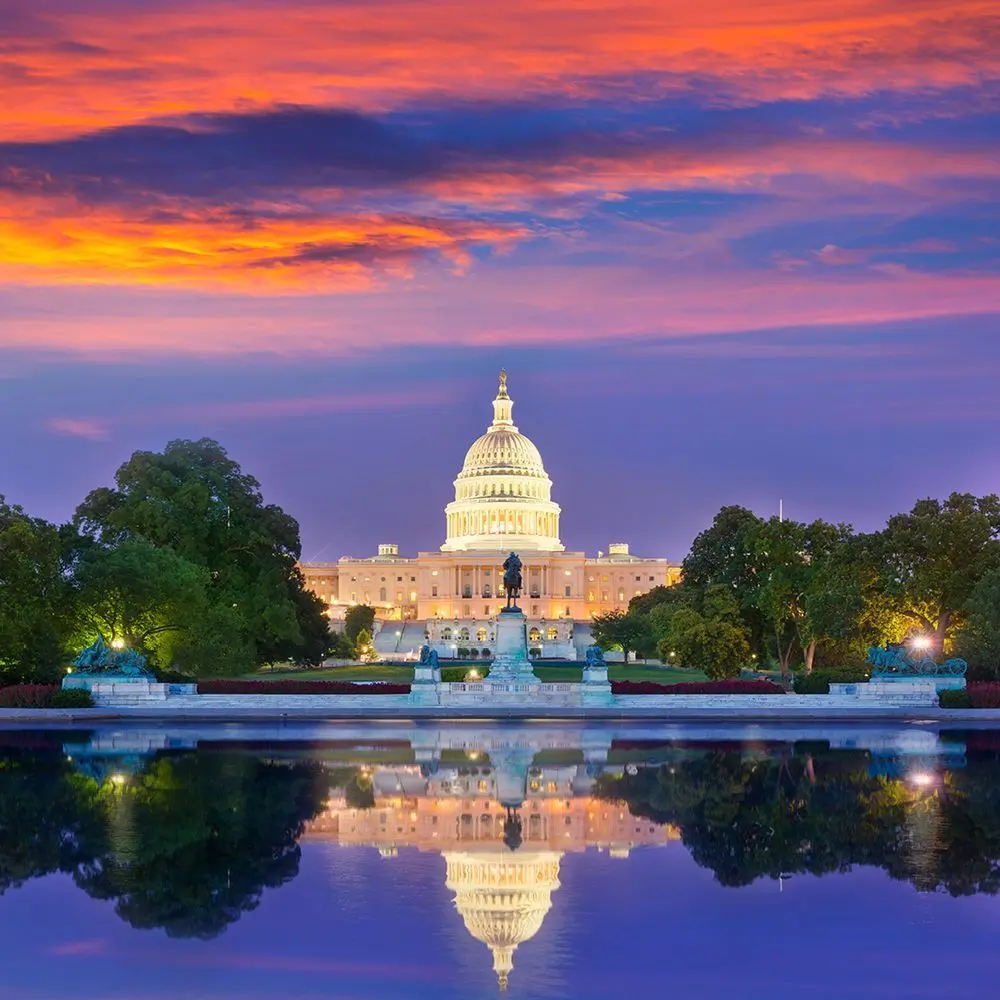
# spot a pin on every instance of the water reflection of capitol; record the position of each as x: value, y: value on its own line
x: 502, y: 829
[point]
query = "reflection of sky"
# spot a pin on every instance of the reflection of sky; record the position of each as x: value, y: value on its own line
x: 729, y: 252
x: 355, y: 926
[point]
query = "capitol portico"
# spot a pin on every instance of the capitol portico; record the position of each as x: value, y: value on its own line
x: 503, y: 502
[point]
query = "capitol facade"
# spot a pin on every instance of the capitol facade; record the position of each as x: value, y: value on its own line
x: 503, y: 502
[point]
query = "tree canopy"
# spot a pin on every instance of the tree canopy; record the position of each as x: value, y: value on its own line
x: 35, y: 616
x: 195, y: 502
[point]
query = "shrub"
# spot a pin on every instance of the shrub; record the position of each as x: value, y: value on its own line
x: 954, y: 698
x: 473, y: 653
x: 298, y: 687
x: 462, y: 652
x: 72, y: 698
x: 485, y: 653
x: 697, y: 687
x: 164, y: 675
x: 43, y: 696
x: 811, y: 684
x: 459, y: 675
x: 819, y: 681
x: 535, y: 652
x: 984, y: 695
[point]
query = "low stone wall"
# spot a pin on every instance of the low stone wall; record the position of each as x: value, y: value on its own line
x: 507, y: 694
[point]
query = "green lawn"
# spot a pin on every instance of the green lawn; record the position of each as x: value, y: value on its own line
x: 549, y: 674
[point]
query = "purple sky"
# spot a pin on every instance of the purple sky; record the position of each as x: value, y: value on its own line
x: 727, y: 255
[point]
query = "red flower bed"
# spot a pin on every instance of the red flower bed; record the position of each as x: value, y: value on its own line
x: 985, y: 694
x: 299, y: 687
x: 27, y: 695
x: 697, y: 687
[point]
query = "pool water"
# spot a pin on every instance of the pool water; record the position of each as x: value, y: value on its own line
x: 460, y: 862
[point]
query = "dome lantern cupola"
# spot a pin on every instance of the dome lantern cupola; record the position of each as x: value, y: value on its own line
x: 503, y: 495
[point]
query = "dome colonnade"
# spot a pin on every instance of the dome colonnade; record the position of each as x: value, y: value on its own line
x: 503, y: 495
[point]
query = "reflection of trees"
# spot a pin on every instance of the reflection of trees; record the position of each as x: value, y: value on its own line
x: 195, y: 839
x: 50, y: 817
x: 188, y: 843
x: 752, y: 817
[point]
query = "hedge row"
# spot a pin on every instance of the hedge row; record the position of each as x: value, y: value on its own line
x: 697, y: 687
x: 981, y: 694
x: 43, y: 696
x: 298, y: 687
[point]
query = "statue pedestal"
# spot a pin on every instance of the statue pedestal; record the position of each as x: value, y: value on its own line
x: 595, y: 689
x: 510, y: 662
x: 424, y: 689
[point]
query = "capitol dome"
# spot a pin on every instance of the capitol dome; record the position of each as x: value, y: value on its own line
x: 503, y: 898
x: 503, y: 495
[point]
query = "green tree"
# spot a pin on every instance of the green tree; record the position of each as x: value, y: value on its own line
x: 358, y: 618
x: 364, y: 649
x: 927, y: 563
x: 724, y: 555
x: 193, y: 499
x: 145, y: 596
x: 713, y: 639
x: 803, y: 591
x: 979, y: 639
x: 35, y: 599
x: 720, y: 555
x: 621, y: 628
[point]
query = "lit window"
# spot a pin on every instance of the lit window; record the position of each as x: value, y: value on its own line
x: 552, y: 634
x: 413, y: 595
x: 399, y: 595
x: 604, y: 595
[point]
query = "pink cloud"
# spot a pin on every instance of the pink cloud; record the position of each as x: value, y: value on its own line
x: 88, y: 428
x: 99, y: 428
x: 87, y: 948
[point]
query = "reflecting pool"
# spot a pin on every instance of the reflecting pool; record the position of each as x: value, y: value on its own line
x: 382, y: 861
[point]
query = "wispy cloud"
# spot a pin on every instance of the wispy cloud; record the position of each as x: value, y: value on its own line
x: 215, y: 413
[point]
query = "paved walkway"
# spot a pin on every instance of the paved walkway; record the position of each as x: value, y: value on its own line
x: 20, y: 717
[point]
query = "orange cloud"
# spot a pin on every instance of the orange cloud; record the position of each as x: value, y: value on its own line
x: 90, y: 67
x: 61, y: 240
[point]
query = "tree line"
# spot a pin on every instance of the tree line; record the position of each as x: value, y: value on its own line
x: 797, y: 595
x: 181, y: 559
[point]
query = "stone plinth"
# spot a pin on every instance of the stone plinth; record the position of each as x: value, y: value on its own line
x: 595, y: 688
x: 424, y: 689
x: 510, y: 663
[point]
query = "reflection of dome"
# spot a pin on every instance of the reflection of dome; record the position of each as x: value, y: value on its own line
x: 503, y: 898
x: 503, y: 495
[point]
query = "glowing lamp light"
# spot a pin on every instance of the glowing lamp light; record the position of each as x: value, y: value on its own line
x: 922, y: 779
x: 922, y: 642
x: 117, y: 643
x: 117, y: 779
x: 473, y: 675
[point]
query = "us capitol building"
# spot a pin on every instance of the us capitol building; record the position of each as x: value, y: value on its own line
x: 503, y: 502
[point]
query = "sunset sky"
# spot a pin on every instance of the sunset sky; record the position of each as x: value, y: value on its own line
x: 728, y: 253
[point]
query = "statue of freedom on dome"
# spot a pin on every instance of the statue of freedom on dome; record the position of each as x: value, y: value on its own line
x: 512, y: 580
